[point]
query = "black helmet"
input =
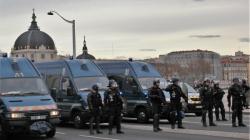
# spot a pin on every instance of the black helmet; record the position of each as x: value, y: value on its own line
x: 236, y: 79
x: 155, y: 82
x: 95, y: 87
x: 174, y: 80
x: 244, y: 81
x: 112, y: 83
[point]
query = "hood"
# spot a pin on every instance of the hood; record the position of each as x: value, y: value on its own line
x: 29, y: 103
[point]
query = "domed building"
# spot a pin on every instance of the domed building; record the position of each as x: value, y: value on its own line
x: 34, y: 44
x: 85, y: 54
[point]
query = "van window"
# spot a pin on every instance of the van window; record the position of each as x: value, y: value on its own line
x: 22, y: 86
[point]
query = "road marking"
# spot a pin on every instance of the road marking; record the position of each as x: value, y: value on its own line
x: 193, y: 132
x: 60, y: 133
x: 216, y: 123
x: 102, y: 138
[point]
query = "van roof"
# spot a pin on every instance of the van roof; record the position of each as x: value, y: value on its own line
x: 77, y: 67
x: 136, y: 68
x: 17, y: 67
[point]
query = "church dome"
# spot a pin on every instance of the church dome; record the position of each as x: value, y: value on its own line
x: 34, y: 38
x: 85, y: 54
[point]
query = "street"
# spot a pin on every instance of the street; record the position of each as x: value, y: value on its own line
x: 135, y: 131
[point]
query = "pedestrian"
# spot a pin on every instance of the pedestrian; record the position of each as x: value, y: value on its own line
x: 95, y: 108
x: 113, y: 102
x: 218, y: 103
x: 206, y: 95
x: 157, y: 99
x: 176, y: 94
x: 236, y: 92
x: 245, y: 88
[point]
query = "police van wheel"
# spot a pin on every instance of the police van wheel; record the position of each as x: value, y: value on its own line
x: 78, y: 123
x: 51, y: 133
x: 198, y: 113
x: 142, y: 116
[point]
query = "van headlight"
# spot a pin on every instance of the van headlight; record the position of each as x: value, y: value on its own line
x: 15, y: 115
x: 54, y: 113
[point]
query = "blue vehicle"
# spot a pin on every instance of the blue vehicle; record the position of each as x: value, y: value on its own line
x: 134, y: 79
x: 70, y: 82
x: 25, y: 103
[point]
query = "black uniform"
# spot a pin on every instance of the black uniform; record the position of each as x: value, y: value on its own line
x: 157, y: 98
x: 236, y: 92
x: 95, y: 105
x: 175, y: 104
x: 113, y: 102
x: 206, y: 95
x: 218, y: 103
x: 245, y: 89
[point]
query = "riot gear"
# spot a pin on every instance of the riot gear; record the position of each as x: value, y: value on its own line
x: 176, y: 94
x: 113, y: 102
x: 95, y: 106
x: 157, y: 98
x: 236, y: 92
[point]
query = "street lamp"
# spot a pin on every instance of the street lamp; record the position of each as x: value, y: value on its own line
x: 73, y: 30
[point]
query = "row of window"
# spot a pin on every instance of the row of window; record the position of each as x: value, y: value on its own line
x: 32, y: 56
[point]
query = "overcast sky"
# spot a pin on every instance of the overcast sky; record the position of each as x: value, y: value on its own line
x: 132, y: 28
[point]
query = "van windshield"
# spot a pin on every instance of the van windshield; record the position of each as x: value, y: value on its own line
x: 147, y: 82
x: 85, y: 83
x: 22, y: 86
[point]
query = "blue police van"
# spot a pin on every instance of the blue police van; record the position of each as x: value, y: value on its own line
x: 134, y: 79
x: 25, y: 103
x: 70, y: 82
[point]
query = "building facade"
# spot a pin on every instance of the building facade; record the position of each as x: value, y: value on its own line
x: 192, y: 65
x: 236, y: 66
x: 34, y: 44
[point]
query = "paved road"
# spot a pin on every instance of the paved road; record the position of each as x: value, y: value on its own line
x: 135, y: 131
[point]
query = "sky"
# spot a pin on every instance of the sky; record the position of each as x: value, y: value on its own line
x: 132, y: 28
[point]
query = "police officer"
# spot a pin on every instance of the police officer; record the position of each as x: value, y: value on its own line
x: 95, y: 106
x: 206, y: 95
x: 157, y: 99
x: 236, y: 92
x: 245, y: 88
x: 113, y: 102
x: 175, y: 103
x: 218, y: 103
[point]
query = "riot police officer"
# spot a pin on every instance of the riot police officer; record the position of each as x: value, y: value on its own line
x: 176, y: 94
x: 95, y: 106
x: 206, y: 95
x: 245, y: 88
x: 157, y: 99
x: 236, y: 92
x: 113, y: 102
x: 218, y: 103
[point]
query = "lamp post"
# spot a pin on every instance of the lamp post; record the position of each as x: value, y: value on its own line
x: 73, y: 30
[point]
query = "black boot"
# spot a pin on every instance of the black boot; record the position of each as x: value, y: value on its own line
x: 212, y: 124
x: 242, y: 125
x: 234, y: 125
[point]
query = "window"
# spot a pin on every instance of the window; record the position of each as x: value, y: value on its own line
x: 42, y: 56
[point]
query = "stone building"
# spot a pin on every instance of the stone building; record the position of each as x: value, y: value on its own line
x: 236, y: 66
x: 192, y: 65
x: 34, y: 44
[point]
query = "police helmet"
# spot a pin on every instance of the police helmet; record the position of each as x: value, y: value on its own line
x: 156, y: 82
x: 236, y: 79
x: 95, y: 87
x: 174, y: 80
x: 112, y: 83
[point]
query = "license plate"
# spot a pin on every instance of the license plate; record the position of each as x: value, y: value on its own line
x: 198, y: 106
x: 38, y: 117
